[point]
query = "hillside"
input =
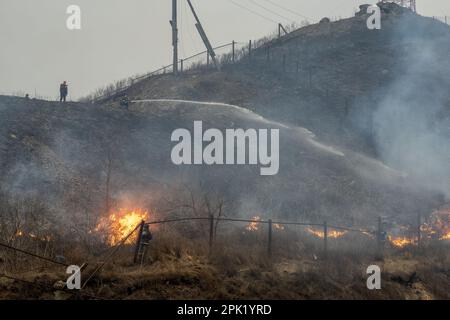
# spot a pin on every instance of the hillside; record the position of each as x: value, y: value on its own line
x: 364, y: 130
x: 62, y: 164
x: 68, y: 153
x: 363, y: 99
x: 356, y: 75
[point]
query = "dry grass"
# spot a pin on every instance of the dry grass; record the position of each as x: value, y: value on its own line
x: 176, y: 267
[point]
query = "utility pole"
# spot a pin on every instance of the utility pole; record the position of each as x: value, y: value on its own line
x: 281, y: 28
x: 174, y: 24
x: 202, y: 33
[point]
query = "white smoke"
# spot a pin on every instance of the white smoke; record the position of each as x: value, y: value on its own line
x: 410, y: 131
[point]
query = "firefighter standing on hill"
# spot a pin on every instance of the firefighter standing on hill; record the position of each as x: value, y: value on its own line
x: 63, y: 91
x: 125, y: 102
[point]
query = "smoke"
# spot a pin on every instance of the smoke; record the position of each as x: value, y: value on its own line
x: 410, y: 130
x: 25, y: 180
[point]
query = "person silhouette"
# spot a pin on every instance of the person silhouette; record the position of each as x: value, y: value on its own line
x: 63, y: 91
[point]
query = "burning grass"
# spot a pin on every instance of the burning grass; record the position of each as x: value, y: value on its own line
x: 254, y: 225
x: 119, y: 224
x: 178, y: 268
x: 438, y: 226
x: 331, y: 233
x: 401, y: 242
x: 179, y: 264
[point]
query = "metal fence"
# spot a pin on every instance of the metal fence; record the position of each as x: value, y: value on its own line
x: 378, y: 235
x: 443, y: 19
x: 226, y: 53
x: 325, y: 228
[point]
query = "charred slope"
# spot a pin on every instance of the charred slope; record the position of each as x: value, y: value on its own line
x: 352, y: 70
x: 62, y: 153
x: 383, y: 92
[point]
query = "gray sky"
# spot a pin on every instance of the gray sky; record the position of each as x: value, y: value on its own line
x: 120, y: 38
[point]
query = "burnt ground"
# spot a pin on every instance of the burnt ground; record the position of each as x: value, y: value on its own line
x: 180, y: 273
x: 61, y: 153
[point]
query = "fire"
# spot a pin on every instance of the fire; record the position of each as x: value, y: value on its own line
x: 254, y: 225
x: 278, y: 226
x: 22, y: 234
x: 368, y: 233
x: 119, y: 224
x: 330, y: 233
x: 445, y: 237
x: 401, y: 242
x: 438, y: 226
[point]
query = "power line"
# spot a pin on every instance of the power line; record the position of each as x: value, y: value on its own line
x: 270, y: 10
x: 287, y: 9
x: 338, y: 5
x: 252, y: 11
x: 32, y: 254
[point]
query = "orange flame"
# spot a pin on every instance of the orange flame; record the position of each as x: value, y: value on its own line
x: 119, y: 224
x: 330, y: 233
x: 438, y: 226
x: 21, y: 234
x: 278, y: 226
x: 445, y: 236
x: 401, y: 242
x: 254, y: 225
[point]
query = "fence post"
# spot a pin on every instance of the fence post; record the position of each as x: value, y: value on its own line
x: 310, y: 77
x: 233, y: 44
x: 380, y: 237
x: 325, y: 239
x: 207, y: 58
x: 211, y: 232
x: 138, y: 242
x: 269, y: 243
x: 419, y: 233
x: 250, y: 49
x: 181, y: 66
x: 346, y: 106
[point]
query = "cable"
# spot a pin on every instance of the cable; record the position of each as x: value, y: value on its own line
x: 270, y: 10
x: 332, y: 9
x: 32, y: 254
x: 115, y: 249
x: 287, y: 9
x: 254, y: 12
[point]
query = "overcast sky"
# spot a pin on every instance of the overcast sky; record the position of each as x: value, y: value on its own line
x: 120, y: 38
